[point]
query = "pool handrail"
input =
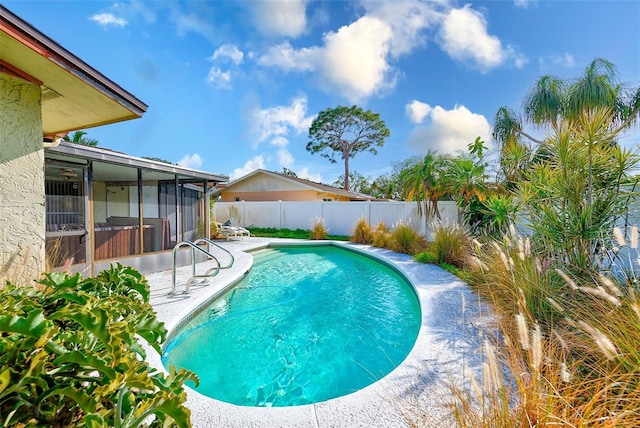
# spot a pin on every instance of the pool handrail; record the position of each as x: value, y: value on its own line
x: 210, y: 242
x: 208, y: 274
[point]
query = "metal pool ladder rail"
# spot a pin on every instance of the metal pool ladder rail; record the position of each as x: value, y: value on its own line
x: 208, y: 274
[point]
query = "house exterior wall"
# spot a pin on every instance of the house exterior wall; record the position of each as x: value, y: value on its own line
x: 267, y: 186
x: 22, y: 194
x: 263, y: 182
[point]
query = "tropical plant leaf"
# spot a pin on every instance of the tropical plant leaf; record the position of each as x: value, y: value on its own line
x: 85, y: 360
x: 34, y: 324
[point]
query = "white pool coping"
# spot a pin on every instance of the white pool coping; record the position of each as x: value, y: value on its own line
x: 449, y: 340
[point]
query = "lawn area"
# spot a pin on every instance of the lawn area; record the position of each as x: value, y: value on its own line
x: 272, y: 232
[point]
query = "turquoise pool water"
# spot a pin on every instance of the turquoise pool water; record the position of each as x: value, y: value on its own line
x: 307, y: 324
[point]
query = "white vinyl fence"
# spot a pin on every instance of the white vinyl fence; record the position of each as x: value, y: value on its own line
x: 339, y: 218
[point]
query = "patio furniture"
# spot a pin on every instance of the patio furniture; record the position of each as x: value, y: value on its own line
x: 230, y: 231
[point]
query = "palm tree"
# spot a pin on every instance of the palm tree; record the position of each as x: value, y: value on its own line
x: 425, y: 181
x: 545, y: 102
x: 552, y: 100
x: 467, y: 178
x: 78, y: 137
x: 595, y: 94
x: 570, y: 189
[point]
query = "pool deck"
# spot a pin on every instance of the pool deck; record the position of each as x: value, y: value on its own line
x: 413, y: 394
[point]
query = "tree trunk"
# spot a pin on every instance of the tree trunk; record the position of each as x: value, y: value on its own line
x: 346, y: 173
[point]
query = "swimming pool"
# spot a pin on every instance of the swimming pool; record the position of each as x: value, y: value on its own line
x: 306, y: 325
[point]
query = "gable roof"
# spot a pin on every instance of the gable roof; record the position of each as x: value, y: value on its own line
x: 74, y: 95
x: 300, y: 183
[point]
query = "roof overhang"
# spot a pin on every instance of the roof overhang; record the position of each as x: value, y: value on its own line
x: 69, y: 151
x: 74, y: 95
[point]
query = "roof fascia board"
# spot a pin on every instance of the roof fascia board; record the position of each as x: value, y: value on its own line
x: 270, y: 174
x: 109, y: 156
x: 47, y: 47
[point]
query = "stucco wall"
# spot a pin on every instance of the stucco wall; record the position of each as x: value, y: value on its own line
x: 22, y: 198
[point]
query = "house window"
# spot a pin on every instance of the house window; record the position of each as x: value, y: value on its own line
x: 237, y: 198
x: 326, y: 199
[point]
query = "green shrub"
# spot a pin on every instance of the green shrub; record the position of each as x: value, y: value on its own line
x: 426, y: 257
x: 362, y: 233
x: 70, y: 356
x: 405, y: 239
x: 450, y: 268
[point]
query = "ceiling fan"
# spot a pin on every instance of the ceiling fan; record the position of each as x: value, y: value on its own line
x: 68, y: 173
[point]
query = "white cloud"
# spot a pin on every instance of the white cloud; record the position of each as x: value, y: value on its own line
x: 356, y: 60
x: 251, y: 165
x: 279, y: 141
x: 134, y: 9
x: 285, y: 158
x: 194, y: 23
x: 219, y: 79
x: 417, y: 111
x: 464, y: 37
x: 304, y: 173
x: 523, y: 3
x: 191, y: 161
x: 278, y: 121
x: 281, y: 18
x: 228, y: 53
x: 287, y: 58
x: 519, y: 59
x: 273, y: 126
x: 408, y: 20
x: 449, y: 131
x: 108, y: 19
x: 564, y: 60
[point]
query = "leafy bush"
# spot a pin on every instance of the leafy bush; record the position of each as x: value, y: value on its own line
x: 381, y: 237
x: 70, y: 356
x: 318, y: 231
x: 571, y: 201
x: 491, y: 216
x: 405, y: 239
x: 426, y: 257
x: 362, y: 233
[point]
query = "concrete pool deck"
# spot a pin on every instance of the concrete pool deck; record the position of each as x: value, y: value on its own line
x: 413, y: 394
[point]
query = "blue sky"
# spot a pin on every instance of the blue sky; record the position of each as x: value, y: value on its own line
x: 234, y: 86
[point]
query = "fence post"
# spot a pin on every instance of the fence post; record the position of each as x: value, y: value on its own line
x: 280, y: 213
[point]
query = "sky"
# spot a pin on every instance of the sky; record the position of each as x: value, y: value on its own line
x: 233, y: 86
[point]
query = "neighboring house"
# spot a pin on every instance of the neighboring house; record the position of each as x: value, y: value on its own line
x: 262, y: 185
x: 93, y: 204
